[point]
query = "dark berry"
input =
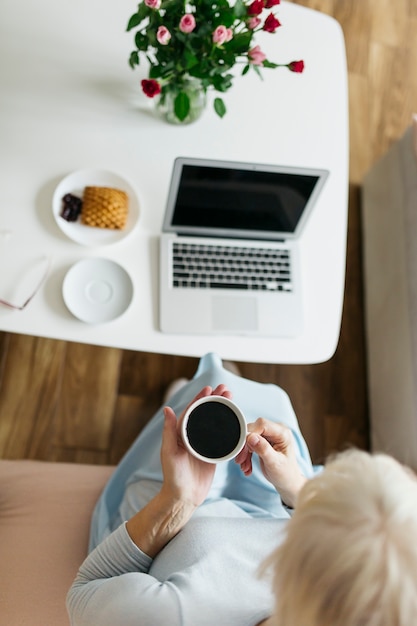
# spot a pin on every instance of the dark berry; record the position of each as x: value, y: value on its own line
x: 71, y: 207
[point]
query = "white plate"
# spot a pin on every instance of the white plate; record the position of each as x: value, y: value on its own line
x: 87, y: 235
x: 97, y: 290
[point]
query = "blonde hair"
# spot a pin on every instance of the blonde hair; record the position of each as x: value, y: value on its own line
x: 350, y: 553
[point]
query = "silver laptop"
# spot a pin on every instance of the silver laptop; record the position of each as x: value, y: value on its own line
x: 229, y: 250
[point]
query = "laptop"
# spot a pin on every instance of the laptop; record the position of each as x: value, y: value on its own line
x: 230, y: 247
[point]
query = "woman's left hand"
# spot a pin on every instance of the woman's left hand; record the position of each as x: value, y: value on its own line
x: 186, y: 478
x: 274, y: 444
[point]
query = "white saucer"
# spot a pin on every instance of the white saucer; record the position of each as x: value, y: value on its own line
x: 97, y: 290
x: 87, y: 235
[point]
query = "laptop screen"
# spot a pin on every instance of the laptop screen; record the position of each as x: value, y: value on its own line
x: 220, y: 198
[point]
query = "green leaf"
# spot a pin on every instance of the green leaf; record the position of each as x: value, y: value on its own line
x: 228, y: 59
x: 169, y: 5
x: 227, y: 18
x: 258, y: 71
x: 190, y: 59
x: 182, y: 105
x: 219, y: 107
x: 270, y: 64
x: 161, y: 71
x: 136, y: 18
x: 134, y: 59
x: 240, y: 42
x: 198, y: 72
x: 240, y: 9
x: 141, y: 41
x: 245, y: 69
x: 222, y: 83
x: 155, y: 71
x: 134, y: 21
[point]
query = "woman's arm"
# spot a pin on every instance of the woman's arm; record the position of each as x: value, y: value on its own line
x: 158, y: 522
x: 113, y: 586
x: 114, y: 578
x: 275, y: 446
x: 186, y: 483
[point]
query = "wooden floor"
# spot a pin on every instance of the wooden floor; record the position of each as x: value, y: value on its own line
x: 71, y: 402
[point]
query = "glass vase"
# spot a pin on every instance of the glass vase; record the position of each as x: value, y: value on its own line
x: 182, y: 102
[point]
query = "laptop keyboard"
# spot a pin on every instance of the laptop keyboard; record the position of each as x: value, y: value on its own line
x: 229, y: 267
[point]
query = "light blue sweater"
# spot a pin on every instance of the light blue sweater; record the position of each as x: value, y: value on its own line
x: 207, y: 575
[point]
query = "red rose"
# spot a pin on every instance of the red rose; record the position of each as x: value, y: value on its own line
x: 271, y: 3
x: 271, y: 23
x: 256, y: 7
x: 151, y: 87
x: 296, y: 66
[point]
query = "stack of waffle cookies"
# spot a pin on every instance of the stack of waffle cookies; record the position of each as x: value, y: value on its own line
x: 104, y: 207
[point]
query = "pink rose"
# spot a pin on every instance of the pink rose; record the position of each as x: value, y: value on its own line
x: 163, y: 35
x: 296, y: 66
x: 256, y: 7
x: 271, y: 24
x: 220, y: 35
x: 256, y: 56
x: 187, y: 23
x: 151, y: 87
x: 229, y: 34
x: 153, y: 4
x: 253, y: 22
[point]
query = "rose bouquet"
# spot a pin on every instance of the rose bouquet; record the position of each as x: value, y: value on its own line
x: 201, y: 40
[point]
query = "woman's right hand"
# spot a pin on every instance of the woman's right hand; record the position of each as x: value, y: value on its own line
x: 186, y: 477
x: 186, y: 483
x: 275, y: 446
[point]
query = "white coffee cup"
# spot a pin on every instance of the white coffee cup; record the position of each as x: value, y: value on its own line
x: 214, y: 429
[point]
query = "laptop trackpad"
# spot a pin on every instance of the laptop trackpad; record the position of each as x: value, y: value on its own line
x: 229, y: 313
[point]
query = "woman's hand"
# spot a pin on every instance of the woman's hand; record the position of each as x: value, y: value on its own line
x: 186, y: 483
x: 185, y: 478
x: 275, y: 446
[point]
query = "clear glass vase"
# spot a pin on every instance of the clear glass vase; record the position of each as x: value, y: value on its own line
x: 182, y: 102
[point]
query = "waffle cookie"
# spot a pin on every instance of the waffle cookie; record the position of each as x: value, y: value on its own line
x: 104, y: 207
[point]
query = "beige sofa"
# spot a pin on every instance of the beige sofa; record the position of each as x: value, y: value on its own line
x: 45, y: 510
x: 390, y: 277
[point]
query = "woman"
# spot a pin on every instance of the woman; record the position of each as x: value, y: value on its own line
x: 350, y: 553
x: 196, y: 533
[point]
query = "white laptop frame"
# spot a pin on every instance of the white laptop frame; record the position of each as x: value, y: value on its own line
x: 180, y: 162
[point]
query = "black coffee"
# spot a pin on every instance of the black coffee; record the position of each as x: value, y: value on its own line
x: 213, y: 430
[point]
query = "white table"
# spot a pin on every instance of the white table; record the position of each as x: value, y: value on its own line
x: 69, y: 101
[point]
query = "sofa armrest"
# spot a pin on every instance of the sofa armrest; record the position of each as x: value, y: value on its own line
x: 45, y: 511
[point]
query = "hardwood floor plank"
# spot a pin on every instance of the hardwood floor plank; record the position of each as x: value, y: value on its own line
x: 409, y: 73
x: 381, y: 69
x: 355, y: 18
x: 393, y: 98
x: 347, y: 395
x: 88, y: 396
x: 30, y: 386
x: 412, y: 8
x: 389, y: 23
x: 340, y: 435
x: 323, y: 6
x: 361, y: 155
x: 150, y: 374
x: 4, y: 345
x: 302, y: 383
